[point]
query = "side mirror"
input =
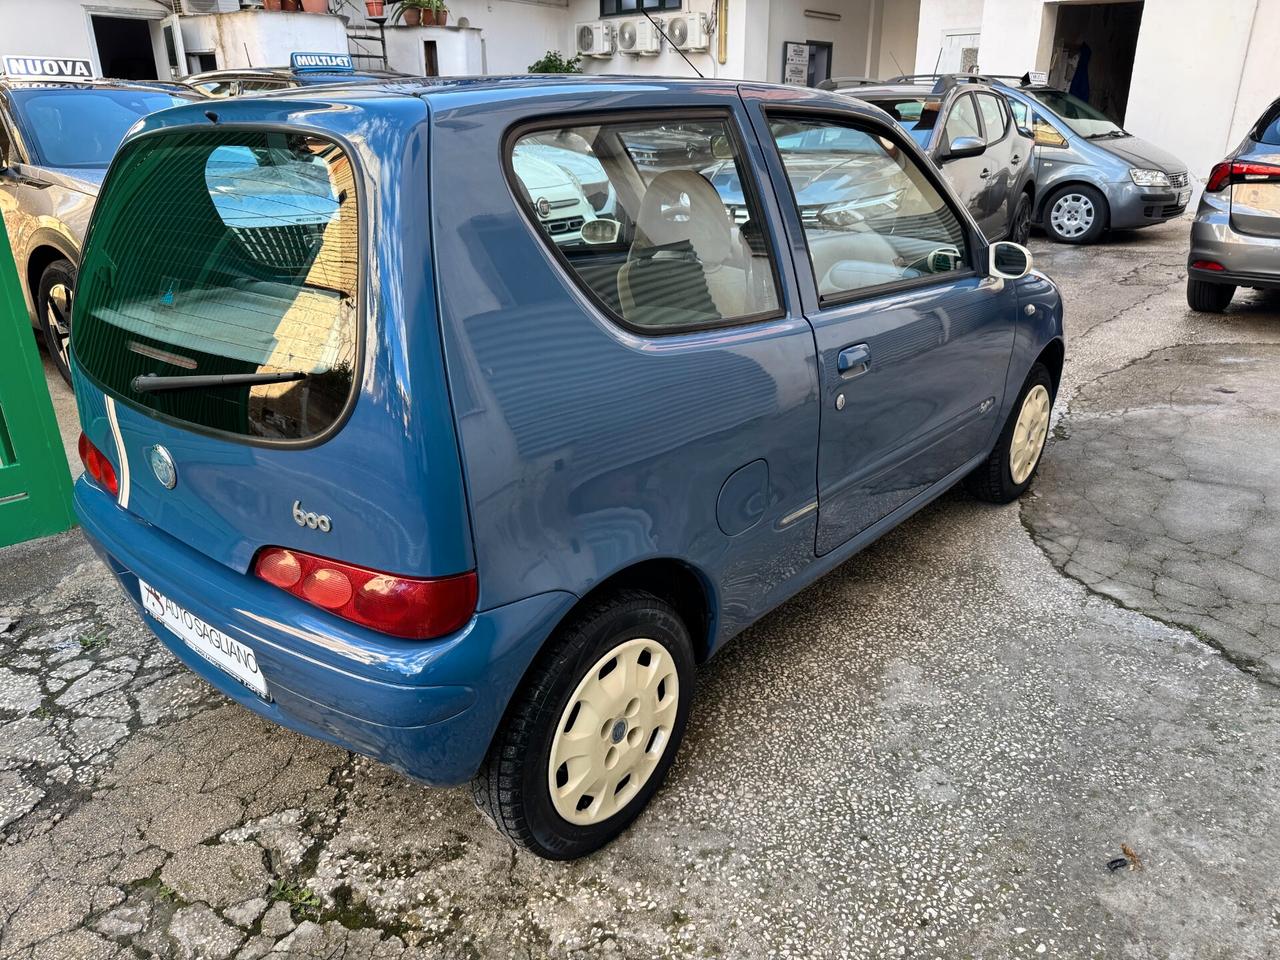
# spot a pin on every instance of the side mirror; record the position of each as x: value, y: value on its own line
x: 1008, y: 260
x: 602, y: 231
x: 962, y: 147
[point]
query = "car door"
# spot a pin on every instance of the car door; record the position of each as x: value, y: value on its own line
x: 913, y: 340
x: 1004, y: 158
x: 968, y: 176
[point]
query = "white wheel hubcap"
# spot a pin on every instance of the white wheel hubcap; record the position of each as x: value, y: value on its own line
x: 1072, y: 215
x: 1029, y: 433
x: 613, y: 732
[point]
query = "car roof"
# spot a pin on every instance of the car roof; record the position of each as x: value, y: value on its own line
x: 285, y: 73
x: 36, y: 83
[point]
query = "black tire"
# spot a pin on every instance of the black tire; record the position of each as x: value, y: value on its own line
x: 993, y: 480
x: 53, y: 312
x: 1208, y: 297
x: 512, y: 788
x: 1020, y: 224
x: 1095, y: 201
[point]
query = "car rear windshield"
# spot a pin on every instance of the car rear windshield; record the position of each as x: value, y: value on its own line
x: 225, y: 253
x: 1268, y: 128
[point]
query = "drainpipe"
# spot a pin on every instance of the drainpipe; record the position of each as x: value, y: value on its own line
x: 722, y: 34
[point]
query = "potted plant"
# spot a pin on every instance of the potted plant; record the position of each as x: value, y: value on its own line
x: 553, y: 62
x: 428, y: 13
x: 375, y: 8
x: 315, y: 6
x: 289, y: 5
x: 271, y: 5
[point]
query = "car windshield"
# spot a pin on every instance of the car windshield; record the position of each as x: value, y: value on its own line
x: 1087, y: 121
x: 83, y: 128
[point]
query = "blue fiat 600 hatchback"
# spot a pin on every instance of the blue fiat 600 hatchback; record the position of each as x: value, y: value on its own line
x: 456, y: 423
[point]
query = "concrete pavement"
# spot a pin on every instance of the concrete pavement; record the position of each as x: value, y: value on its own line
x: 934, y: 751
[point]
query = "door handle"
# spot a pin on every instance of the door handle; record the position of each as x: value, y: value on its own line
x: 1016, y: 160
x: 985, y: 173
x: 854, y: 360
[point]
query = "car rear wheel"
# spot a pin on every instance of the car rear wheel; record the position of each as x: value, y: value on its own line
x: 590, y: 736
x: 1020, y: 225
x: 1075, y: 214
x: 53, y: 306
x: 1208, y: 297
x: 1007, y: 472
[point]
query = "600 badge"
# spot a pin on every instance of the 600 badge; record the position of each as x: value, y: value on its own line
x: 316, y: 521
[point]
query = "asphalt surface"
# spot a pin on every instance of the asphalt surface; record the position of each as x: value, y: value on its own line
x: 934, y: 751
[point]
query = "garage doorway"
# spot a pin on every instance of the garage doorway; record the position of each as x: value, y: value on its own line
x: 1093, y: 50
x: 125, y: 50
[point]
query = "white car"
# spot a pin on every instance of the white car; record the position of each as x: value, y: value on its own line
x: 555, y: 195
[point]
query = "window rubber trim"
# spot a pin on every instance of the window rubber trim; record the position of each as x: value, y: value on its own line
x: 870, y: 125
x: 561, y: 121
x: 363, y: 287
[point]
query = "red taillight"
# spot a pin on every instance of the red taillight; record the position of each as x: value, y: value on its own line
x: 1208, y: 265
x: 98, y: 466
x: 409, y: 607
x: 1226, y: 173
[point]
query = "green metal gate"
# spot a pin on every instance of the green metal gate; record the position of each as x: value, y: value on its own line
x: 35, y: 484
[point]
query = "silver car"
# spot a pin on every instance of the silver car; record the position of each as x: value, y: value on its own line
x: 56, y: 140
x: 1235, y: 237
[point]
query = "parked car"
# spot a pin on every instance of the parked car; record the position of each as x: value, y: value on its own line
x: 305, y: 69
x: 1091, y: 175
x: 968, y: 131
x: 56, y: 139
x: 392, y: 467
x: 1235, y: 237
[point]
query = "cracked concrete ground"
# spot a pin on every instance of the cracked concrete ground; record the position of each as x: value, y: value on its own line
x: 934, y: 751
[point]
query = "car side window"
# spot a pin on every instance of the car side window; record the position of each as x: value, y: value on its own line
x: 658, y: 219
x: 994, y: 118
x: 963, y: 120
x: 1044, y: 133
x: 870, y: 213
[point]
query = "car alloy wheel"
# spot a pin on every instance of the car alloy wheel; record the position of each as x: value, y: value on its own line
x: 1072, y: 215
x: 58, y: 317
x: 1029, y: 433
x: 613, y: 732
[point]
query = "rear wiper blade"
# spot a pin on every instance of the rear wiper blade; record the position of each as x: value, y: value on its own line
x: 151, y: 382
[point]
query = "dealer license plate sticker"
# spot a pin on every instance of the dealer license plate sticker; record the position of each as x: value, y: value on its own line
x: 230, y: 656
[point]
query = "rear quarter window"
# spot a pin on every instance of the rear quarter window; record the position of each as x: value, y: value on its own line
x: 233, y: 255
x: 1268, y: 129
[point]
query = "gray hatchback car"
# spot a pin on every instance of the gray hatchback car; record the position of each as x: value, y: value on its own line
x: 1235, y: 237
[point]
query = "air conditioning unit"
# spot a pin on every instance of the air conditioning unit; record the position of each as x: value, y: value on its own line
x: 209, y: 6
x: 689, y: 32
x: 595, y: 40
x: 639, y: 38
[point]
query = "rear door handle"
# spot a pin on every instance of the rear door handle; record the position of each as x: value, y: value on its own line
x: 854, y: 360
x: 1016, y: 160
x: 984, y: 174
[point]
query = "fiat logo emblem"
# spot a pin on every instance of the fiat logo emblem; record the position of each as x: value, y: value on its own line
x: 544, y: 206
x: 163, y: 467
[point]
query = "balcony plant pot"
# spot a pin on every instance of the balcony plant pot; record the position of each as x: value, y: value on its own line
x: 315, y: 6
x: 272, y: 5
x: 435, y: 18
x: 412, y: 16
x: 375, y: 8
x: 291, y: 5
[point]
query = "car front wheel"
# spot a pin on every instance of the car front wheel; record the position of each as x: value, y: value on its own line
x: 1075, y: 214
x: 1007, y: 472
x: 53, y: 303
x: 590, y: 736
x: 1020, y: 225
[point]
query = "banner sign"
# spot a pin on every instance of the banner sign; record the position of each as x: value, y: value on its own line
x: 59, y: 68
x: 322, y: 63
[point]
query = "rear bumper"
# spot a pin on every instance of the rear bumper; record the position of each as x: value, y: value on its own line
x: 426, y: 708
x: 1247, y: 260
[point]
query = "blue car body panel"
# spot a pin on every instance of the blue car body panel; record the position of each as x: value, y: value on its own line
x: 504, y: 423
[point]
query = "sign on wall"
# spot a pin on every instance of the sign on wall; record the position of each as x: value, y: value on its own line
x: 62, y: 68
x: 321, y: 63
x: 795, y: 63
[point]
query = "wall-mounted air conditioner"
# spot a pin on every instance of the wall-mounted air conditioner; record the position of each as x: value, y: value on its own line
x: 689, y: 32
x: 209, y: 6
x: 595, y: 39
x: 639, y: 38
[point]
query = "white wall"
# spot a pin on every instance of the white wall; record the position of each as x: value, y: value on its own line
x: 458, y: 50
x: 940, y: 16
x: 62, y: 28
x: 848, y: 35
x: 1260, y: 79
x: 669, y: 63
x: 255, y: 38
x: 899, y: 34
x: 513, y: 33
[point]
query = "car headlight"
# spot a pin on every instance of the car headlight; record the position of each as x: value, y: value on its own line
x: 1149, y: 178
